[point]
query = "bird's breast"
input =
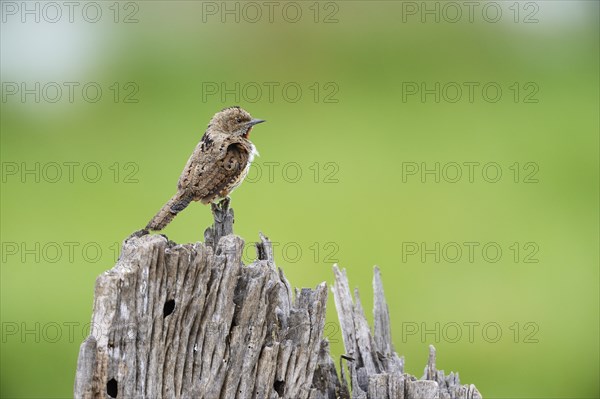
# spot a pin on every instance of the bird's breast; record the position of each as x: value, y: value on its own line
x: 253, y: 153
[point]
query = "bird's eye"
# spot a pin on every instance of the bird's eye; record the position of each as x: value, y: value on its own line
x: 239, y: 120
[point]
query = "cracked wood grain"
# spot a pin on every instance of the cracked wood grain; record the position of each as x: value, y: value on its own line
x: 191, y: 321
x: 376, y: 371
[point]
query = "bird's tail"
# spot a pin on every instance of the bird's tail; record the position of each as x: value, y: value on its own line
x: 175, y: 205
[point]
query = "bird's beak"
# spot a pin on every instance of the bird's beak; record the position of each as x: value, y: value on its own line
x: 255, y: 122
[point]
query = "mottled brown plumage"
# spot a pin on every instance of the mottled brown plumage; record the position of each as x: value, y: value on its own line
x: 217, y: 166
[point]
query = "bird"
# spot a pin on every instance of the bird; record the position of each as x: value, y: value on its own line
x: 218, y: 165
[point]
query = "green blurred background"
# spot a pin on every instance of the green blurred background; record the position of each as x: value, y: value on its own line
x: 352, y: 136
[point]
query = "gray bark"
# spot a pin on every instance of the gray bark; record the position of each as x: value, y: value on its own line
x: 376, y: 371
x: 191, y: 321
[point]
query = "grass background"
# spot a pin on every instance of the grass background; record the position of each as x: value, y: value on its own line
x: 357, y: 210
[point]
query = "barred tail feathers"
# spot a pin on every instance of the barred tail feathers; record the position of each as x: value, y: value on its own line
x: 175, y: 205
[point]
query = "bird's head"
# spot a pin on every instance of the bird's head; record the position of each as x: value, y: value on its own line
x: 234, y: 121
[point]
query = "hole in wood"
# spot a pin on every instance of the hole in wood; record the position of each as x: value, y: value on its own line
x: 279, y: 387
x: 112, y: 388
x: 169, y: 307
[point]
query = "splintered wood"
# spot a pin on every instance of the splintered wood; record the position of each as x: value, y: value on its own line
x: 191, y: 321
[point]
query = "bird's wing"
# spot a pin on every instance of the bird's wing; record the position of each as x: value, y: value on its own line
x: 211, y: 177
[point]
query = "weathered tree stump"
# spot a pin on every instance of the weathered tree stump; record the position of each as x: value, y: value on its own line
x: 375, y: 369
x: 191, y: 321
